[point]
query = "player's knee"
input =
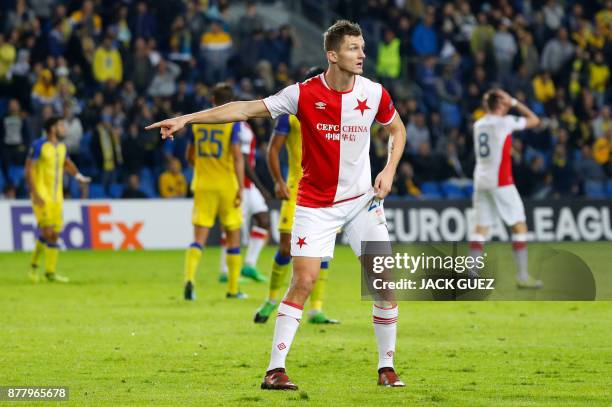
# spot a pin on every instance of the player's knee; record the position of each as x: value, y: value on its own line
x: 262, y: 220
x: 303, y: 282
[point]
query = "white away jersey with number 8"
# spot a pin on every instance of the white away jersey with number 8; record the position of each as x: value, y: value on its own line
x: 493, y: 145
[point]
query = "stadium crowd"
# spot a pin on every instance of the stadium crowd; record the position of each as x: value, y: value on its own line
x: 111, y: 67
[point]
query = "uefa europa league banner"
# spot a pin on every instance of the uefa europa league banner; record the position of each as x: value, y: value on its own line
x: 166, y: 224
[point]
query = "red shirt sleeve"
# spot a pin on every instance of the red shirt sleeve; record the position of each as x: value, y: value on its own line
x: 386, y: 110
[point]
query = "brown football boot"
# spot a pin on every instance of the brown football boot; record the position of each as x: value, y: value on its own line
x: 277, y: 379
x: 387, y: 377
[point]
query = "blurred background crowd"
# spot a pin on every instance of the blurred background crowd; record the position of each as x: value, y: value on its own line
x: 110, y: 67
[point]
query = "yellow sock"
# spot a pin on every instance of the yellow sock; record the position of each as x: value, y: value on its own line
x: 280, y: 269
x: 318, y: 291
x: 234, y: 263
x: 38, y: 251
x: 192, y: 259
x: 51, y: 253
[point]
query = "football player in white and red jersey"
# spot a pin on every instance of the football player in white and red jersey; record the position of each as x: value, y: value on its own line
x: 494, y: 190
x: 336, y: 110
x: 254, y: 207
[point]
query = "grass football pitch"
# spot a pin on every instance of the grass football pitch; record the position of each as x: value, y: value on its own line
x: 121, y: 334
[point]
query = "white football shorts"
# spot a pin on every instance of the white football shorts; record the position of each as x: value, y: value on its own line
x: 504, y: 201
x: 314, y: 229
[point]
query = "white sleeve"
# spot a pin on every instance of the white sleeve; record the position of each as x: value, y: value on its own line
x: 246, y: 137
x: 516, y: 123
x: 284, y: 102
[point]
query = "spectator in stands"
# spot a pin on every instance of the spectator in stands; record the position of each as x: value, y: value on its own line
x: 182, y: 101
x: 107, y: 149
x: 405, y: 183
x: 107, y: 63
x: 426, y: 165
x: 419, y: 133
x: 529, y: 55
x: 172, y: 182
x: 424, y: 37
x: 557, y: 52
x: 132, y: 146
x: 603, y: 123
x: 543, y: 87
x: 121, y: 29
x: 537, y: 183
x: 389, y: 63
x: 142, y: 24
x: 7, y: 57
x: 250, y: 22
x: 587, y: 169
x: 73, y: 134
x: 482, y: 35
x: 87, y: 19
x: 451, y: 167
x: 504, y: 48
x: 285, y: 44
x: 553, y: 14
x: 599, y: 76
x: 164, y: 80
x: 14, y: 137
x: 216, y: 49
x: 450, y: 93
x: 563, y: 174
x: 19, y: 18
x: 140, y: 68
x: 44, y: 90
x: 132, y: 188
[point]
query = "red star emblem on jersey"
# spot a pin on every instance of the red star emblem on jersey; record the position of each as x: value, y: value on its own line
x: 301, y: 241
x: 362, y: 106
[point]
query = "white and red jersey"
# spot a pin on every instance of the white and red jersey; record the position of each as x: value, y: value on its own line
x: 493, y: 145
x: 247, y: 146
x: 335, y: 135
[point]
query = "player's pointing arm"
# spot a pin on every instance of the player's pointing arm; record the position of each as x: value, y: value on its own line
x: 227, y: 113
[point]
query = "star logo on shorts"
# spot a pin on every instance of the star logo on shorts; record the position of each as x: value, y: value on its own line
x: 362, y: 106
x: 301, y: 241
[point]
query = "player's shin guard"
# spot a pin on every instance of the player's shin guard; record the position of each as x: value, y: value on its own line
x: 257, y: 240
x: 192, y: 259
x: 318, y: 291
x: 519, y: 250
x: 280, y: 269
x: 223, y: 260
x: 38, y: 251
x: 51, y: 254
x: 287, y: 322
x: 234, y: 263
x: 385, y: 328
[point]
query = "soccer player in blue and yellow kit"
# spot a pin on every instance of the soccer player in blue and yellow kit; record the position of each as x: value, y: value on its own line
x: 44, y: 170
x: 217, y: 185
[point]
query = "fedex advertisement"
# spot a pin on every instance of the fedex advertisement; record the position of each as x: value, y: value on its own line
x: 103, y: 225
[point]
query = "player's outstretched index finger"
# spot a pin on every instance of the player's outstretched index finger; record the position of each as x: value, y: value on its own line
x: 153, y: 126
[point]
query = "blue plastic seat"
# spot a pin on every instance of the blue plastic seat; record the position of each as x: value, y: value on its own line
x: 431, y: 190
x: 96, y: 191
x: 609, y: 189
x: 116, y: 190
x: 452, y: 191
x: 594, y: 189
x: 16, y: 174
